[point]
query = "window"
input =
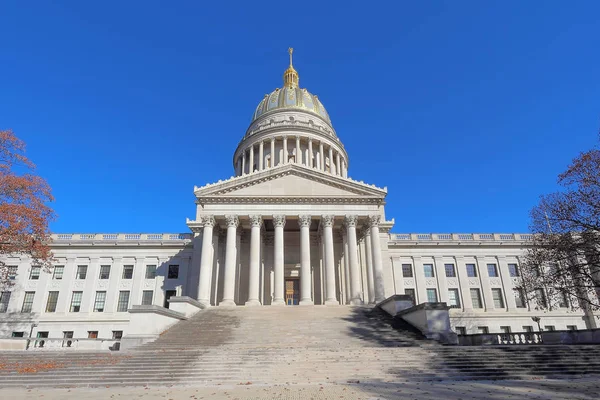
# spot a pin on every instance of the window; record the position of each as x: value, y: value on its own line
x: 411, y: 293
x: 476, y: 298
x: 461, y: 330
x: 150, y: 271
x: 104, y: 272
x: 471, y: 270
x: 67, y: 335
x: 4, y: 299
x: 81, y: 271
x: 432, y: 296
x: 76, y: 301
x: 505, y: 329
x: 127, y: 272
x: 407, y: 270
x: 42, y: 335
x: 147, y: 296
x: 52, y: 300
x: 527, y: 328
x: 483, y: 330
x: 563, y: 300
x: 513, y: 270
x: 519, y: 298
x: 173, y: 272
x: 18, y: 334
x: 99, y: 302
x: 540, y: 296
x: 92, y: 334
x: 428, y: 270
x: 27, y: 302
x: 123, y: 303
x: 117, y: 335
x: 549, y: 328
x: 12, y: 272
x: 450, y: 271
x: 58, y: 272
x: 453, y: 299
x: 35, y: 273
x: 492, y: 270
x: 498, y: 299
x: 571, y: 327
x: 168, y: 295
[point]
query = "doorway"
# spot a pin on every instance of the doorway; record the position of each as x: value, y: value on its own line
x: 292, y: 291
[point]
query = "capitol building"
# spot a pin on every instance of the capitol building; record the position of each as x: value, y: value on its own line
x: 290, y: 229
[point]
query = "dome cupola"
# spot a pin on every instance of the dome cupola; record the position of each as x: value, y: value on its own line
x: 290, y: 76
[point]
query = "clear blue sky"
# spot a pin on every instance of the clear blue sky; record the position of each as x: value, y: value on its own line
x: 465, y: 110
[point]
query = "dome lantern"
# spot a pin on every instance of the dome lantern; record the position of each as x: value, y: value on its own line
x: 290, y: 76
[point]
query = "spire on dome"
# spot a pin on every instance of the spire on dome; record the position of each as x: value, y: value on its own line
x: 290, y: 76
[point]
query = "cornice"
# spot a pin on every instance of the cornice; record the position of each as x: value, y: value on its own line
x: 289, y: 200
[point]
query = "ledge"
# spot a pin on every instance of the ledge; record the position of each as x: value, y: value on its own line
x: 426, y: 307
x: 154, y: 309
x: 186, y: 299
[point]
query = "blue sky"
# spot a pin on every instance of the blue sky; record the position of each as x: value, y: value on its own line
x: 465, y: 110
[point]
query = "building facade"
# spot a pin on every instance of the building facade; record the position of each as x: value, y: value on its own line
x: 290, y: 228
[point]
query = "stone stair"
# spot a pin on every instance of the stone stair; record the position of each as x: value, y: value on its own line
x: 303, y: 345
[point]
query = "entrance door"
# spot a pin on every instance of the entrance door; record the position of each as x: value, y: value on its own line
x: 292, y: 292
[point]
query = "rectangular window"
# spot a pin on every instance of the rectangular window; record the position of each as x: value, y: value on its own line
x: 4, y: 299
x: 471, y: 270
x: 117, y: 335
x: 76, y: 301
x: 27, y: 302
x: 67, y: 334
x: 150, y: 271
x: 453, y: 299
x: 428, y: 270
x: 147, y: 297
x: 58, y: 272
x: 18, y: 334
x: 450, y: 271
x: 563, y: 299
x: 519, y: 298
x: 498, y: 299
x: 411, y: 293
x: 527, y: 328
x: 407, y: 270
x: 492, y: 270
x: 461, y: 330
x: 12, y: 272
x: 81, y: 271
x: 476, y: 298
x: 168, y: 295
x: 540, y: 296
x: 42, y: 335
x: 505, y: 329
x: 127, y: 272
x: 52, y: 300
x: 432, y: 295
x: 571, y: 327
x: 35, y: 273
x: 483, y: 330
x: 99, y: 302
x: 513, y: 270
x: 173, y: 272
x: 104, y: 272
x: 549, y: 328
x: 92, y: 334
x: 123, y: 303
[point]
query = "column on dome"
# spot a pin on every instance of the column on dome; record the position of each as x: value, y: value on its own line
x: 251, y: 164
x: 243, y: 162
x: 338, y: 166
x: 305, y: 273
x: 254, y: 271
x: 272, y: 152
x: 377, y: 261
x: 344, y: 169
x: 298, y: 152
x: 330, y: 295
x: 261, y: 156
x: 355, y: 292
x: 278, y: 267
x: 310, y: 153
x: 331, y: 165
x: 321, y: 156
x: 285, y: 150
x: 230, y: 261
x: 369, y: 265
x: 206, y: 260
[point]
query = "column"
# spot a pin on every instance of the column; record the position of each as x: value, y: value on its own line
x: 377, y: 262
x: 298, y: 152
x: 285, y: 150
x: 243, y: 163
x: 330, y: 297
x: 507, y: 284
x: 206, y: 260
x: 278, y: 268
x: 251, y: 165
x: 350, y: 222
x: 486, y: 287
x: 369, y: 262
x: 440, y: 274
x: 254, y: 273
x: 310, y: 153
x: 338, y: 168
x: 421, y: 290
x: 261, y: 157
x: 322, y: 156
x: 347, y: 290
x: 305, y: 276
x: 230, y: 259
x: 344, y: 169
x: 331, y: 164
x: 272, y: 152
x: 463, y: 281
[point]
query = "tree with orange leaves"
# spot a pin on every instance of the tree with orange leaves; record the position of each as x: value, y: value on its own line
x: 24, y: 213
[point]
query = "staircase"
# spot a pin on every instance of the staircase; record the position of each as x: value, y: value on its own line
x: 279, y: 345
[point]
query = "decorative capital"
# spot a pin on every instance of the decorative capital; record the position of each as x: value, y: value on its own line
x: 297, y: 137
x: 279, y: 220
x: 350, y: 220
x: 304, y: 220
x: 255, y: 220
x: 208, y: 220
x: 374, y: 220
x: 327, y: 220
x: 232, y: 221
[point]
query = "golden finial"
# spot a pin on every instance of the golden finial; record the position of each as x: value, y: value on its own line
x: 290, y: 76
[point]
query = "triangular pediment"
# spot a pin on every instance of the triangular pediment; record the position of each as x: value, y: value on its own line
x: 290, y: 181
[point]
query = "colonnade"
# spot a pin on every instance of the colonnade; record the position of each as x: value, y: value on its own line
x: 326, y: 224
x: 312, y: 154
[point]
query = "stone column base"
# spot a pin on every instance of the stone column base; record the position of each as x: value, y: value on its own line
x: 332, y: 303
x: 253, y: 303
x: 227, y: 303
x: 278, y: 302
x: 306, y: 302
x: 356, y: 302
